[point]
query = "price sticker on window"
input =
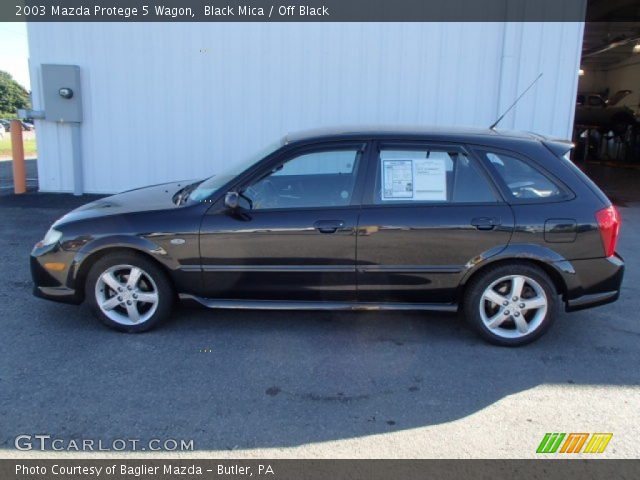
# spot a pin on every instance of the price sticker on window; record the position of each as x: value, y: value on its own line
x: 414, y: 179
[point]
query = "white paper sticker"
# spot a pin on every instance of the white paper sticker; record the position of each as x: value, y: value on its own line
x: 430, y: 179
x: 397, y: 179
x: 423, y: 179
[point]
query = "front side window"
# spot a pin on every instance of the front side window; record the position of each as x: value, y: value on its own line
x: 212, y: 184
x: 317, y: 179
x: 429, y: 175
x: 523, y: 181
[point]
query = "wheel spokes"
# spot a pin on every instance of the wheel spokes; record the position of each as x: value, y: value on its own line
x: 110, y: 303
x: 136, y: 294
x: 110, y: 279
x: 513, y: 306
x: 134, y: 277
x: 534, y: 303
x: 517, y: 285
x: 147, y: 297
x: 493, y: 296
x: 497, y: 320
x: 521, y: 323
x: 132, y: 312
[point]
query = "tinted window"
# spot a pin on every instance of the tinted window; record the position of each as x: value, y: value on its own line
x: 523, y: 180
x: 318, y: 163
x: 430, y: 175
x: 317, y: 179
x: 212, y: 184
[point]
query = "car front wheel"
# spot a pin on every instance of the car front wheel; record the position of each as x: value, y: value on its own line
x: 129, y: 292
x: 511, y: 305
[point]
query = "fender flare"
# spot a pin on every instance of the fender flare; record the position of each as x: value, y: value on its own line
x: 562, y: 268
x: 143, y: 245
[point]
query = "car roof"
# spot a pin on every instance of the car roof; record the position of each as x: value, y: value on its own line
x: 458, y: 134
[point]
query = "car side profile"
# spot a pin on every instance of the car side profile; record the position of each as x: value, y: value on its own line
x: 499, y: 226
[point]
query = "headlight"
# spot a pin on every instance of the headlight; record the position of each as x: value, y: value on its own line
x: 52, y: 237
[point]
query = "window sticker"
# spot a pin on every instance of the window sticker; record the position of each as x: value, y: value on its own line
x: 423, y: 179
x: 397, y: 179
x: 430, y: 179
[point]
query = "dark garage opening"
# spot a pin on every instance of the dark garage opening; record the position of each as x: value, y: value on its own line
x: 606, y: 127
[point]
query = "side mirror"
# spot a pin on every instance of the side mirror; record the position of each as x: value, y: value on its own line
x: 232, y: 200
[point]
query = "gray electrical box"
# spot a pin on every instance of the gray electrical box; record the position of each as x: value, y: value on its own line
x: 61, y: 93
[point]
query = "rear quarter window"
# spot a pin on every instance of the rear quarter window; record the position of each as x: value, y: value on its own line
x: 566, y: 159
x: 522, y: 180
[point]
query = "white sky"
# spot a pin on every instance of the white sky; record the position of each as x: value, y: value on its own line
x: 14, y: 53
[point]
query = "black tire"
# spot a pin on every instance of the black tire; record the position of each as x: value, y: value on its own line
x: 152, y: 280
x: 538, y: 318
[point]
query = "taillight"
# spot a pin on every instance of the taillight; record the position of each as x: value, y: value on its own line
x: 609, y: 224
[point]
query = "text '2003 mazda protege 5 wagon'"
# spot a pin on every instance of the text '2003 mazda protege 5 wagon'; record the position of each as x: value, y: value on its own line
x: 501, y: 226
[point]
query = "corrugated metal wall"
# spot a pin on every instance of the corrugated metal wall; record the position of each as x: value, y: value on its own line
x: 177, y: 101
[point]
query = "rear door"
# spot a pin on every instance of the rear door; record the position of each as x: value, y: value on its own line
x: 429, y: 212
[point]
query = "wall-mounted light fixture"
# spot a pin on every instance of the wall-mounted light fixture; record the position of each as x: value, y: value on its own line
x: 636, y: 48
x: 581, y: 72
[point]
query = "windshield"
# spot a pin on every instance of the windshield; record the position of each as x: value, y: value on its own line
x: 211, y: 184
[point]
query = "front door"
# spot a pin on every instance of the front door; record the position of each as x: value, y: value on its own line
x: 430, y: 211
x: 294, y: 235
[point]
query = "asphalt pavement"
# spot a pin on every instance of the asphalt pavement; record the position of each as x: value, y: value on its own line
x: 308, y: 384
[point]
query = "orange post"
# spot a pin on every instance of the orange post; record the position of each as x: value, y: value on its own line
x: 17, y: 149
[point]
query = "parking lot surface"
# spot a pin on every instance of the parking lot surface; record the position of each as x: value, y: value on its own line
x: 308, y: 384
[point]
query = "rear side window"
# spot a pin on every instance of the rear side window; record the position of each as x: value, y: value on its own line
x: 429, y: 175
x: 523, y: 181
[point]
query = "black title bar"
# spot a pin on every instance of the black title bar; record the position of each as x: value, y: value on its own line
x: 120, y: 469
x: 318, y: 10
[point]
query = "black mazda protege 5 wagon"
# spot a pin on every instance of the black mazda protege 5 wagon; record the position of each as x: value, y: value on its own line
x: 500, y: 226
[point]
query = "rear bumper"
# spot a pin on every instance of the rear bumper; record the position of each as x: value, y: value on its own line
x: 594, y: 282
x: 592, y: 300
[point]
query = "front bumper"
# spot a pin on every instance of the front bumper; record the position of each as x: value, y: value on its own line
x: 595, y: 282
x: 53, y: 285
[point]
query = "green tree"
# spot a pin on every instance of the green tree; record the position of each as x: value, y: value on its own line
x: 12, y: 95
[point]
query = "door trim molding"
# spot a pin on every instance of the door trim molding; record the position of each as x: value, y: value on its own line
x: 269, y: 268
x: 327, y: 268
x: 409, y: 268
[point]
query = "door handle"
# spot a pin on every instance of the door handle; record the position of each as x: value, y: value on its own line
x: 328, y: 226
x: 485, y: 223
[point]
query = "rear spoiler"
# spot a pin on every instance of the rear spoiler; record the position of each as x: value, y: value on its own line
x: 558, y: 147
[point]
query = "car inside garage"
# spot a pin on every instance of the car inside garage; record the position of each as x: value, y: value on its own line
x: 606, y: 125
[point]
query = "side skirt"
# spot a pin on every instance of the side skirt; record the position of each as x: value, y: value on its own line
x: 309, y: 305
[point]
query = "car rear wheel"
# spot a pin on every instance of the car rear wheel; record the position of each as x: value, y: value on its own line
x: 129, y: 292
x: 511, y: 305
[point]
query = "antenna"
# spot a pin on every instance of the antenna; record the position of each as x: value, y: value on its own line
x: 492, y: 127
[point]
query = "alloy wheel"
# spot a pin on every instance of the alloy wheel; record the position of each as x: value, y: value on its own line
x: 127, y: 294
x: 513, y: 306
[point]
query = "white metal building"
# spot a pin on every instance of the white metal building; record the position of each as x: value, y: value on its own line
x: 169, y: 101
